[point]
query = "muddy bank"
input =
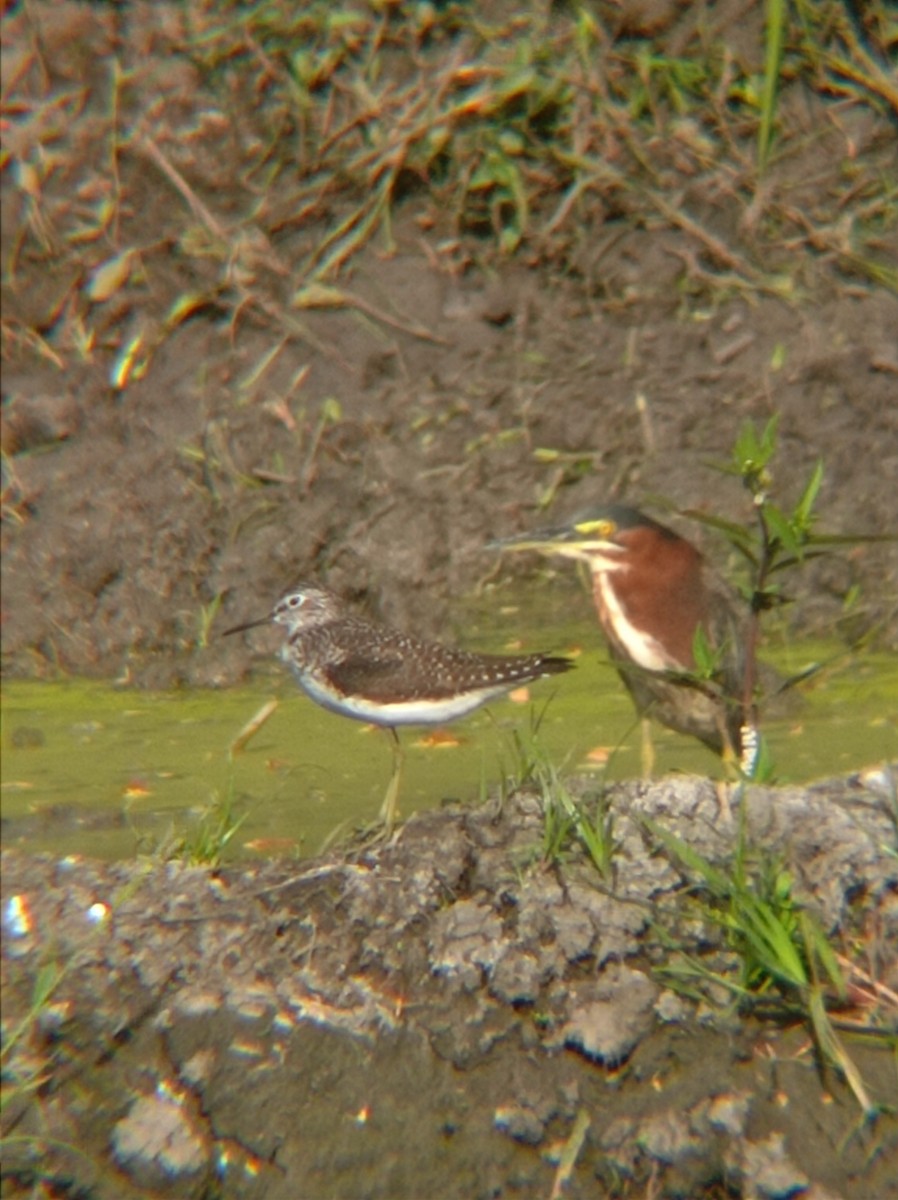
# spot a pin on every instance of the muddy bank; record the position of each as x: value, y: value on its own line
x: 446, y: 1014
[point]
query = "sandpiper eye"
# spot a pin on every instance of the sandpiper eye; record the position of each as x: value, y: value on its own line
x: 295, y: 601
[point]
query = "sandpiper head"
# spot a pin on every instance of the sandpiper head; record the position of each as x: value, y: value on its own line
x: 304, y: 606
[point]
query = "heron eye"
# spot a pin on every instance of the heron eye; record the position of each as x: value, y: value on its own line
x: 602, y: 528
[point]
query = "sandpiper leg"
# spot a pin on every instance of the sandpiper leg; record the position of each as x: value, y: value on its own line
x: 389, y: 810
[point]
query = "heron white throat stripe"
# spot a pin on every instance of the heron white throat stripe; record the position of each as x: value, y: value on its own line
x: 647, y: 652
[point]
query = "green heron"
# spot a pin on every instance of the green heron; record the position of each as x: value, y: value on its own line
x: 353, y: 667
x: 653, y: 591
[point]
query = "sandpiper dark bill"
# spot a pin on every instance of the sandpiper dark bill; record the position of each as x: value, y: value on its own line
x: 652, y: 590
x: 360, y: 669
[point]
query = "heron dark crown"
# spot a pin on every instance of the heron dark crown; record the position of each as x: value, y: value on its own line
x: 608, y: 520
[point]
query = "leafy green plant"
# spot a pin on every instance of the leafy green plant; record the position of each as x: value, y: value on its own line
x: 558, y: 824
x: 207, y: 615
x: 785, y: 962
x: 567, y: 821
x: 774, y: 34
x: 778, y: 542
x: 596, y: 834
x: 28, y: 1066
x: 46, y: 982
x: 783, y: 955
x: 205, y: 843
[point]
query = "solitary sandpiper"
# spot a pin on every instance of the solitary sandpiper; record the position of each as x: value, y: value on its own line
x: 359, y: 669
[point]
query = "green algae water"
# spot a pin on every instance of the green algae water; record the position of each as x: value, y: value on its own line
x: 93, y: 769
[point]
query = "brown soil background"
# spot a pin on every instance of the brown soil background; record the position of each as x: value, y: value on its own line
x: 132, y: 511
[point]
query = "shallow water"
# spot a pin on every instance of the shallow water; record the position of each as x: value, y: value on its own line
x: 94, y: 769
